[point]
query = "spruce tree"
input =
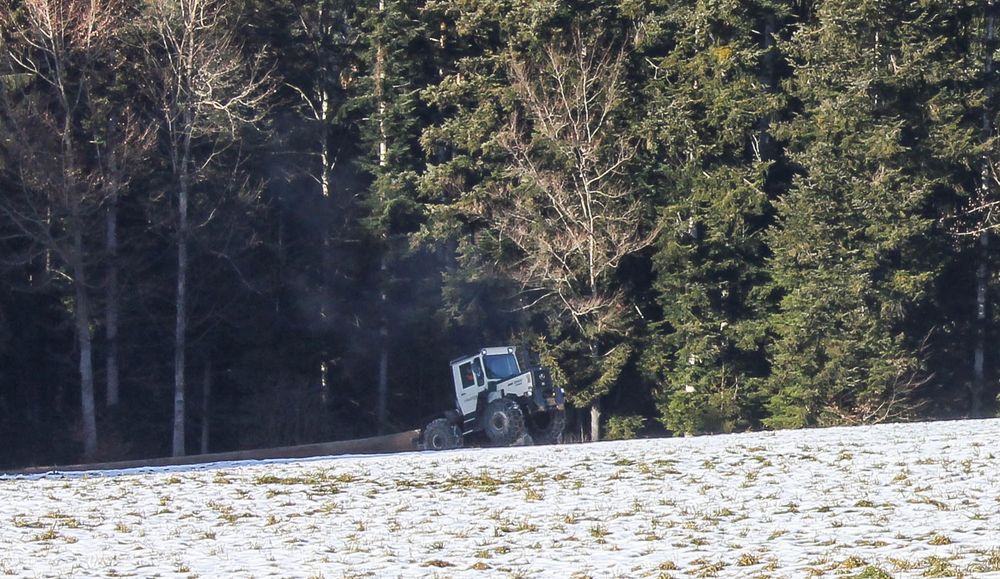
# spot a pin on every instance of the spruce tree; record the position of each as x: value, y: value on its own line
x: 711, y: 94
x: 398, y: 64
x: 853, y: 247
x: 467, y: 104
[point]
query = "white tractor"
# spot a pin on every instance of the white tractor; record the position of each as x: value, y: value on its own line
x: 493, y: 396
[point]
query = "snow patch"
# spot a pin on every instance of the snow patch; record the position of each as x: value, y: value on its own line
x: 900, y: 500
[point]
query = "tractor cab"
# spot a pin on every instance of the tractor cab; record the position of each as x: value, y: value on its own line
x: 482, y: 372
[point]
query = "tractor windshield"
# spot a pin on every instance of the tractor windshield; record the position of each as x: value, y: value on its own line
x: 501, y: 367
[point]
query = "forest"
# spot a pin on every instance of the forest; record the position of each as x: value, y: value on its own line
x: 239, y: 224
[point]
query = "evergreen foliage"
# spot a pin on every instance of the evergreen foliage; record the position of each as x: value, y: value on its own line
x: 708, y: 102
x: 703, y: 215
x: 851, y: 252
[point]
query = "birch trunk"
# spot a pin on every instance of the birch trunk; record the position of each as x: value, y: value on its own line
x: 979, y: 354
x: 81, y: 307
x: 322, y: 112
x: 81, y: 299
x: 382, y: 404
x: 180, y: 328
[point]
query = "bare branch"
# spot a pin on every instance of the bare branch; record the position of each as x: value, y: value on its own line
x: 567, y: 204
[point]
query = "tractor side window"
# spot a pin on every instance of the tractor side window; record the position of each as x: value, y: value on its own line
x: 465, y: 370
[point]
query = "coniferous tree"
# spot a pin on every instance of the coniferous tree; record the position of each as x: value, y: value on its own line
x: 821, y: 174
x: 852, y: 252
x: 386, y: 97
x: 711, y: 94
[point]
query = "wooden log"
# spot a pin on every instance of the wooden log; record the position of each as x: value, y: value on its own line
x: 400, y: 442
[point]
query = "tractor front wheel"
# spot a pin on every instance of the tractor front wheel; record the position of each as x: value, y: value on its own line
x: 441, y: 434
x: 547, y: 427
x: 504, y: 422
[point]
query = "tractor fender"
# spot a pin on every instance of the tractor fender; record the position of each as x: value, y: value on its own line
x: 453, y: 416
x: 488, y: 396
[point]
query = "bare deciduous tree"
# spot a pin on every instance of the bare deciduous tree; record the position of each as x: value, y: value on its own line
x: 54, y: 47
x: 567, y: 203
x: 205, y: 91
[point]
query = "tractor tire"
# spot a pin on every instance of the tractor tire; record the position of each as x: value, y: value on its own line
x: 441, y: 434
x: 547, y: 427
x: 504, y: 422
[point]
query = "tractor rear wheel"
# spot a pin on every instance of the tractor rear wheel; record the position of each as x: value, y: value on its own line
x: 504, y: 422
x: 441, y: 434
x: 547, y: 427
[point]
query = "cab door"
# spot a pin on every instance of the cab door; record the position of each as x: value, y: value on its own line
x: 468, y: 384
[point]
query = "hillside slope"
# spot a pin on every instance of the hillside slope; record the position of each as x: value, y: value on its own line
x: 896, y: 499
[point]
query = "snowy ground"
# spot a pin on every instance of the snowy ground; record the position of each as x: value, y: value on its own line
x: 890, y: 501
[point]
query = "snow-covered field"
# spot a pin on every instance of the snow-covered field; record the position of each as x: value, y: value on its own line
x: 889, y: 501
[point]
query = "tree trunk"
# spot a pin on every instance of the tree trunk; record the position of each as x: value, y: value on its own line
x: 81, y: 301
x: 81, y: 307
x: 382, y: 409
x: 180, y: 327
x: 113, y: 306
x: 595, y: 421
x: 48, y: 250
x: 324, y: 182
x: 180, y: 341
x: 206, y: 398
x: 978, y: 362
x: 382, y: 404
x: 769, y: 80
x: 983, y: 255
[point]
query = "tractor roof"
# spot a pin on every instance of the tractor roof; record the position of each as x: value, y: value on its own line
x: 489, y: 351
